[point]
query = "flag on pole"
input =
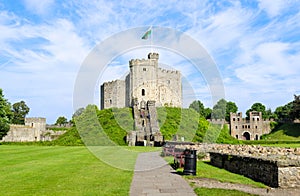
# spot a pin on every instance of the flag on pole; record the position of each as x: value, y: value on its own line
x: 148, y: 33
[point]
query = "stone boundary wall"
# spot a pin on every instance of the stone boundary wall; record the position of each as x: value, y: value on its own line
x: 264, y: 171
x: 273, y: 166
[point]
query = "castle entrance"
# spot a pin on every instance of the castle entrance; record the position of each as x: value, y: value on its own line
x: 246, y: 136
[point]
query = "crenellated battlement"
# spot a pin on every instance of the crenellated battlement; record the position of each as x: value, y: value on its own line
x: 145, y: 81
x: 151, y: 57
x: 112, y: 82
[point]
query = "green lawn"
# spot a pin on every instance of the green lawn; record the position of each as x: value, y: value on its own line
x: 57, y: 170
x: 216, y: 192
x: 291, y: 145
x: 285, y: 132
x: 205, y: 170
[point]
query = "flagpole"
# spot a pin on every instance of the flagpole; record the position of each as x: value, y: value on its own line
x: 151, y: 38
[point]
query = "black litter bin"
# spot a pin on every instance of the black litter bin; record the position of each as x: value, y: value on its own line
x: 190, y: 162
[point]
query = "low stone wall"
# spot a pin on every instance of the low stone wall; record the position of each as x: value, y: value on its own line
x: 264, y: 171
x: 274, y: 166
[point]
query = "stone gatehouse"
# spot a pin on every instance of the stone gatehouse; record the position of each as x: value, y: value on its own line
x: 248, y: 129
x: 145, y: 81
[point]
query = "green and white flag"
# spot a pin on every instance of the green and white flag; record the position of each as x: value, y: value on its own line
x: 148, y: 33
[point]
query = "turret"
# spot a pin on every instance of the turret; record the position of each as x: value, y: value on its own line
x: 154, y: 56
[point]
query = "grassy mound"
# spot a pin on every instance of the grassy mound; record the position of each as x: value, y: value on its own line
x: 117, y: 122
x: 284, y: 132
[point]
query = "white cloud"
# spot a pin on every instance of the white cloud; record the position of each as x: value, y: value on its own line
x: 258, y: 57
x: 273, y: 7
x: 38, y: 7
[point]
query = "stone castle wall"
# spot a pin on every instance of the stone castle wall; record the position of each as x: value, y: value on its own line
x: 146, y: 81
x: 113, y: 94
x: 33, y: 130
x: 29, y: 132
x: 21, y: 133
x: 169, y: 87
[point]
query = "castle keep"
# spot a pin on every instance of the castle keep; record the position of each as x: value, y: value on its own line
x: 145, y: 81
x: 145, y: 87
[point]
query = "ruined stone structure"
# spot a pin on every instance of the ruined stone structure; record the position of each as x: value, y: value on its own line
x: 145, y: 81
x: 146, y: 125
x: 33, y: 130
x: 251, y: 129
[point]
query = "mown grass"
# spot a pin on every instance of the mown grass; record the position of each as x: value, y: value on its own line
x: 205, y: 170
x: 284, y: 132
x: 284, y: 145
x: 59, y: 170
x: 217, y: 192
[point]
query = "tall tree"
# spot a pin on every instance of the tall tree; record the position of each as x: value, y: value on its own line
x: 61, y: 121
x: 230, y: 107
x: 219, y: 110
x: 223, y: 108
x: 5, y: 115
x: 295, y: 113
x: 258, y: 107
x: 283, y: 112
x: 20, y: 110
x: 199, y: 107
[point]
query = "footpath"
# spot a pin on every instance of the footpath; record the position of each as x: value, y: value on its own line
x: 153, y: 176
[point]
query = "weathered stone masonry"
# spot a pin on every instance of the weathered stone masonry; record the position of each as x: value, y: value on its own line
x: 251, y: 129
x: 273, y: 166
x: 145, y: 82
x: 33, y: 130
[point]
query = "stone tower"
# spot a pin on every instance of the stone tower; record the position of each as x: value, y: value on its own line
x: 143, y: 78
x: 145, y: 82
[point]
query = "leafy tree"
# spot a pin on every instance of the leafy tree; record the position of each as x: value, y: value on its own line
x: 61, y: 121
x: 208, y: 112
x: 5, y: 115
x: 230, y: 107
x: 219, y: 110
x: 295, y: 113
x: 198, y: 106
x: 20, y: 110
x: 258, y: 107
x: 77, y: 113
x: 283, y: 112
x: 223, y: 108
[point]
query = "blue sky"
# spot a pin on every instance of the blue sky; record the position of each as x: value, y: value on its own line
x: 255, y: 45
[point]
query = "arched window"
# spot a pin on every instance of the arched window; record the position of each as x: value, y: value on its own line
x: 143, y: 92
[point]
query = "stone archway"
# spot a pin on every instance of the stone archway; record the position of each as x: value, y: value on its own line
x: 246, y: 135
